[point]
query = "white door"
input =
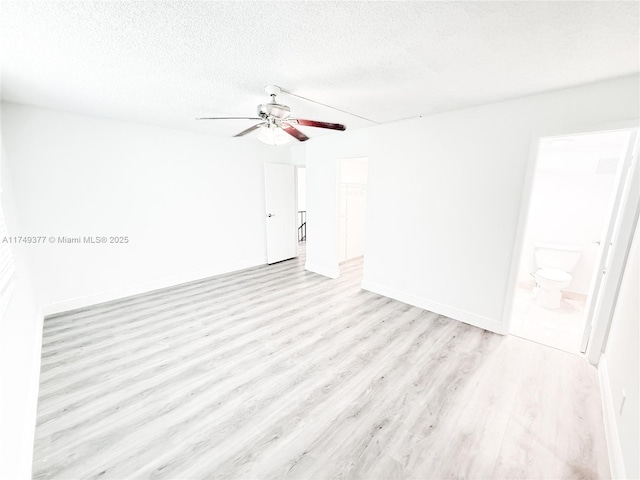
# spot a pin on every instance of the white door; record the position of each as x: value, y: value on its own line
x: 280, y: 200
x: 599, y: 279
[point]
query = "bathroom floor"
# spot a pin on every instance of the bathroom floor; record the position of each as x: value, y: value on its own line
x: 561, y: 328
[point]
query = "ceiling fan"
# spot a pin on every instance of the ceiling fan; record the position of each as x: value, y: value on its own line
x: 276, y: 126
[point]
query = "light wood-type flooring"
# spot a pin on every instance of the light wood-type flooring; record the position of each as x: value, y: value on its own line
x: 276, y: 372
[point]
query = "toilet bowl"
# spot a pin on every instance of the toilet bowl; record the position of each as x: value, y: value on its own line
x: 554, y: 262
x: 550, y: 282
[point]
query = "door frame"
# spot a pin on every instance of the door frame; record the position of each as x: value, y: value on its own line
x: 597, y: 344
x: 608, y: 248
x: 622, y: 239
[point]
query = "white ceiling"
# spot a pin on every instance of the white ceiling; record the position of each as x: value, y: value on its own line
x: 166, y: 63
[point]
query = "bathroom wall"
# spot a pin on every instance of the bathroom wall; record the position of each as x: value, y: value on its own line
x: 572, y: 190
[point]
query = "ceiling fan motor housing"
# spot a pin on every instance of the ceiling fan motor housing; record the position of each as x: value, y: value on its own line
x: 274, y: 110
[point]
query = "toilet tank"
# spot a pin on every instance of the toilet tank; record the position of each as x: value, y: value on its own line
x: 557, y: 255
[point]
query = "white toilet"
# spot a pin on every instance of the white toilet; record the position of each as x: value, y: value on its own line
x: 554, y: 261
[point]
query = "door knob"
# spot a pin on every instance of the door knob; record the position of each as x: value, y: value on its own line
x: 271, y: 215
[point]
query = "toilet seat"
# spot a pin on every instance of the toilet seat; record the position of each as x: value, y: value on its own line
x: 554, y: 274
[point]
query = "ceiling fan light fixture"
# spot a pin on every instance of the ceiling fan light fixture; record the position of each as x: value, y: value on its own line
x: 273, y: 135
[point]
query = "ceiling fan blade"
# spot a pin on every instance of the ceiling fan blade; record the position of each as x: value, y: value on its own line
x: 313, y: 123
x: 294, y: 132
x: 249, y: 130
x: 229, y: 118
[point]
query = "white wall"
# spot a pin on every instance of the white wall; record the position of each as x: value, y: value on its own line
x: 444, y: 193
x: 570, y: 202
x: 620, y: 371
x: 20, y: 340
x: 323, y: 177
x: 301, y: 173
x: 192, y: 205
x: 297, y: 154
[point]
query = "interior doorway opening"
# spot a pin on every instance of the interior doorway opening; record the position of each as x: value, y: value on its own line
x: 301, y: 183
x: 575, y: 200
x: 352, y: 209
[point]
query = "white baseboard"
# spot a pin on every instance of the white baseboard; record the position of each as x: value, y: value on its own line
x: 107, y: 296
x: 616, y: 461
x: 480, y: 321
x: 327, y: 272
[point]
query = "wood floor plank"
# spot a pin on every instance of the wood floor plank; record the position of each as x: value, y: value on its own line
x: 276, y: 372
x: 555, y: 431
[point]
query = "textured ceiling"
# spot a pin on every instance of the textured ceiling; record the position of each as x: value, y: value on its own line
x: 166, y: 63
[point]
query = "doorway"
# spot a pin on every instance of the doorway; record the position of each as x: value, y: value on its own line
x: 574, y: 199
x: 280, y: 215
x: 301, y: 185
x: 352, y: 209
